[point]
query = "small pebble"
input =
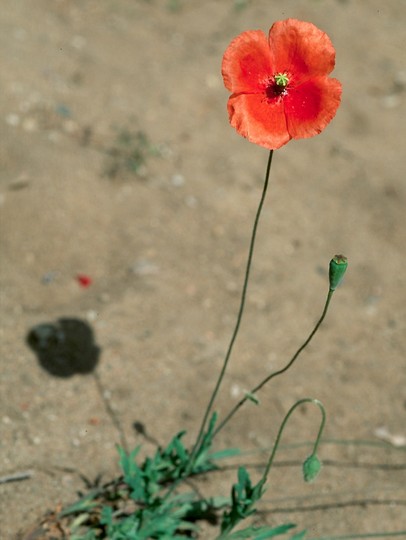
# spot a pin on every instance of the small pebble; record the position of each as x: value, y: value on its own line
x: 91, y: 315
x: 48, y: 278
x: 13, y: 119
x: 144, y: 267
x: 177, y: 180
x: 395, y: 439
x: 63, y: 110
x: 391, y: 102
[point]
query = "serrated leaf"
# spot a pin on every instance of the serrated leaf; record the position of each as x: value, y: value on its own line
x: 106, y: 517
x: 127, y: 461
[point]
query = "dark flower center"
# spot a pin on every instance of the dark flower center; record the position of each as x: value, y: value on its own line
x: 277, y: 86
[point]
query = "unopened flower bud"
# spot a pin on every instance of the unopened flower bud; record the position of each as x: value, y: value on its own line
x: 311, y: 468
x: 338, y: 266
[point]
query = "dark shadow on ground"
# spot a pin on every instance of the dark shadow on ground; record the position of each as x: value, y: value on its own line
x: 64, y: 348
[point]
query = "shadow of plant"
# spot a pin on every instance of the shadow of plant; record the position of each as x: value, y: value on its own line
x: 64, y: 348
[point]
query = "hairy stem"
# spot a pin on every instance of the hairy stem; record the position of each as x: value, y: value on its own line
x: 280, y: 371
x: 282, y: 427
x: 238, y: 322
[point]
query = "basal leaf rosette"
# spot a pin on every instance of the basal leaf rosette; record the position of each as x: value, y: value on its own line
x: 280, y: 85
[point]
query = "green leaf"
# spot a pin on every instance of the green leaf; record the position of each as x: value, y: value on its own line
x: 257, y: 533
x: 201, y: 462
x: 90, y: 535
x: 252, y: 397
x: 222, y: 454
x: 84, y: 504
x: 243, y: 498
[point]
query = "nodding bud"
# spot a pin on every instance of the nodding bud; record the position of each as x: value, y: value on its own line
x: 311, y: 468
x: 338, y: 266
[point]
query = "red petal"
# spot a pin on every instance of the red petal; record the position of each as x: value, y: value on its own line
x: 301, y: 49
x: 258, y: 120
x: 84, y: 280
x: 246, y: 63
x: 310, y: 106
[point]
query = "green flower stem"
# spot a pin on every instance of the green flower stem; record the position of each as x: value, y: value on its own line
x: 278, y: 438
x: 393, y: 534
x: 280, y: 371
x: 239, y: 317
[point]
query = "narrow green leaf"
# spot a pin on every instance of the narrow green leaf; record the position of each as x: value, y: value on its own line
x: 257, y: 533
x: 252, y: 397
x: 222, y: 454
x: 82, y: 505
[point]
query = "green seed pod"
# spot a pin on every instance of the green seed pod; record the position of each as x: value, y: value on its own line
x: 311, y: 468
x: 338, y: 266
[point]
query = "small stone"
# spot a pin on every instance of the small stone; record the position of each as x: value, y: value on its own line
x: 91, y: 315
x: 144, y: 267
x: 391, y: 101
x: 235, y: 391
x: 48, y: 278
x: 177, y: 180
x: 13, y: 119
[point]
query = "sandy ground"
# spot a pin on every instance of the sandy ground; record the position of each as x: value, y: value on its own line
x: 118, y: 162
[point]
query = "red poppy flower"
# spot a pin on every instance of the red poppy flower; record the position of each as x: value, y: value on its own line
x: 280, y: 85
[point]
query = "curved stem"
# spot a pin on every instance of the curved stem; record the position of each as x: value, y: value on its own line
x: 239, y: 317
x: 280, y: 371
x: 282, y: 427
x: 365, y: 535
